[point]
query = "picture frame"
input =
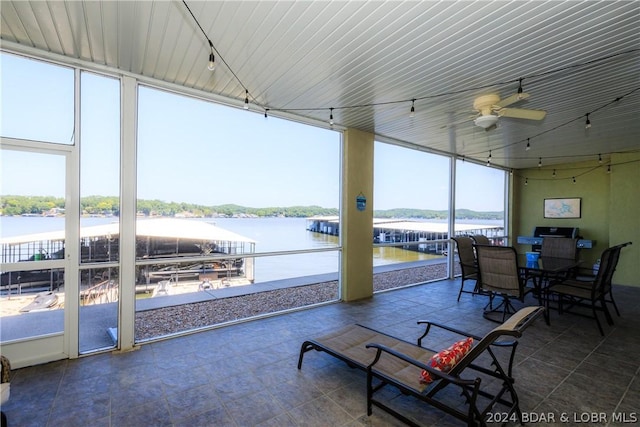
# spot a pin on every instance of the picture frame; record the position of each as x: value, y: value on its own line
x: 570, y: 207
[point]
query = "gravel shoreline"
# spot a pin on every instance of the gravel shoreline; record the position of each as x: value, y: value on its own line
x: 171, y: 320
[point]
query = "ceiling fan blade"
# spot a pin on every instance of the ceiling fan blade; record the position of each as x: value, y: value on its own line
x: 512, y: 99
x: 521, y: 113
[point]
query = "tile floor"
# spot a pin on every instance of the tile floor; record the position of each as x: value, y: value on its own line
x: 245, y: 374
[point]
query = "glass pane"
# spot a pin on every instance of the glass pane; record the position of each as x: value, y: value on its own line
x: 100, y: 168
x: 98, y: 309
x: 215, y: 181
x: 411, y: 194
x: 201, y: 160
x: 100, y: 209
x: 480, y: 212
x: 177, y: 297
x: 37, y: 100
x: 32, y: 229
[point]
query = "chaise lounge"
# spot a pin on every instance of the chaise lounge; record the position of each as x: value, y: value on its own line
x: 425, y: 374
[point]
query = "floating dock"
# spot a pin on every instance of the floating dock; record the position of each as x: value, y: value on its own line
x: 426, y: 234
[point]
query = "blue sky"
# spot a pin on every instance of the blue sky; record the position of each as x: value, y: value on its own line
x: 199, y: 152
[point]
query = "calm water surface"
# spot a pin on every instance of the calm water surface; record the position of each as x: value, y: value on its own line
x: 270, y: 234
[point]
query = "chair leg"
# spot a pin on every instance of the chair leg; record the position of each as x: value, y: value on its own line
x: 607, y: 315
x: 614, y: 303
x: 595, y: 315
x: 461, y: 288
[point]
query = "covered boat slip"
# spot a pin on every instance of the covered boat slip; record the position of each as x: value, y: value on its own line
x: 164, y: 236
x: 157, y: 239
x: 425, y: 236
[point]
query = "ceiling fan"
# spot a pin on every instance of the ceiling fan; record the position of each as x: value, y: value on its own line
x: 491, y: 107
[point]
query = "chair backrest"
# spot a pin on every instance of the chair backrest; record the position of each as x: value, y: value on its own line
x: 608, y: 264
x: 513, y: 326
x: 498, y: 270
x: 481, y: 239
x: 559, y: 247
x: 466, y: 255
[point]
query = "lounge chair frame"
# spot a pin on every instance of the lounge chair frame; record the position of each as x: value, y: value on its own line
x: 390, y: 361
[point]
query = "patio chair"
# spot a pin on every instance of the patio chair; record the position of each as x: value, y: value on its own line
x: 499, y: 276
x: 554, y: 247
x: 481, y: 239
x: 468, y: 265
x: 559, y: 247
x: 593, y: 294
x: 403, y: 365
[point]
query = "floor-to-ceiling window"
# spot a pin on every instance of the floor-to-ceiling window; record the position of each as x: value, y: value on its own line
x: 99, y: 211
x: 224, y: 201
x: 37, y: 128
x: 411, y: 202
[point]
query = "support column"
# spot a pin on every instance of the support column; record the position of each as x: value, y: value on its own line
x: 356, y: 226
x: 126, y: 329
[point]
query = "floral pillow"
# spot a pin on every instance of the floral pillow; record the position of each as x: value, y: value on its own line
x: 446, y: 359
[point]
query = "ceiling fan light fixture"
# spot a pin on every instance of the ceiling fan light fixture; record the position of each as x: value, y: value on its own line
x: 486, y: 121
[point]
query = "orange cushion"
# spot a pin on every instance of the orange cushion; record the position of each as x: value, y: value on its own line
x: 446, y: 359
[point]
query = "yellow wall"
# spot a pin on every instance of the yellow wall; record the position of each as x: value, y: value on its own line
x: 624, y: 215
x: 610, y: 207
x: 355, y: 225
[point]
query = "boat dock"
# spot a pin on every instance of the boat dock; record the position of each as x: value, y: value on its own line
x: 429, y: 236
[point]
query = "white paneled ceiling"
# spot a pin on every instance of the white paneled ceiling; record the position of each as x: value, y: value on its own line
x: 368, y: 60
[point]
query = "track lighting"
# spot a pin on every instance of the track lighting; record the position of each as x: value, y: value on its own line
x: 212, y: 58
x: 331, y: 116
x: 412, y: 114
x: 587, y: 124
x: 574, y: 179
x: 246, y: 99
x: 528, y: 147
x: 539, y: 162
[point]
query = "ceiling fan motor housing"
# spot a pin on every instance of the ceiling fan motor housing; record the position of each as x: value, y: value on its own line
x: 486, y: 121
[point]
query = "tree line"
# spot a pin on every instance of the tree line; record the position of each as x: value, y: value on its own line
x: 109, y: 206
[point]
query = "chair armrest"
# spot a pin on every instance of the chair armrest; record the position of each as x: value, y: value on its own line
x: 436, y: 374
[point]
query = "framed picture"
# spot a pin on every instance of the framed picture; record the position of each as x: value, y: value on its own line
x: 562, y: 208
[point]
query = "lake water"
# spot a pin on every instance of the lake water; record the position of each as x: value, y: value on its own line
x: 270, y: 234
